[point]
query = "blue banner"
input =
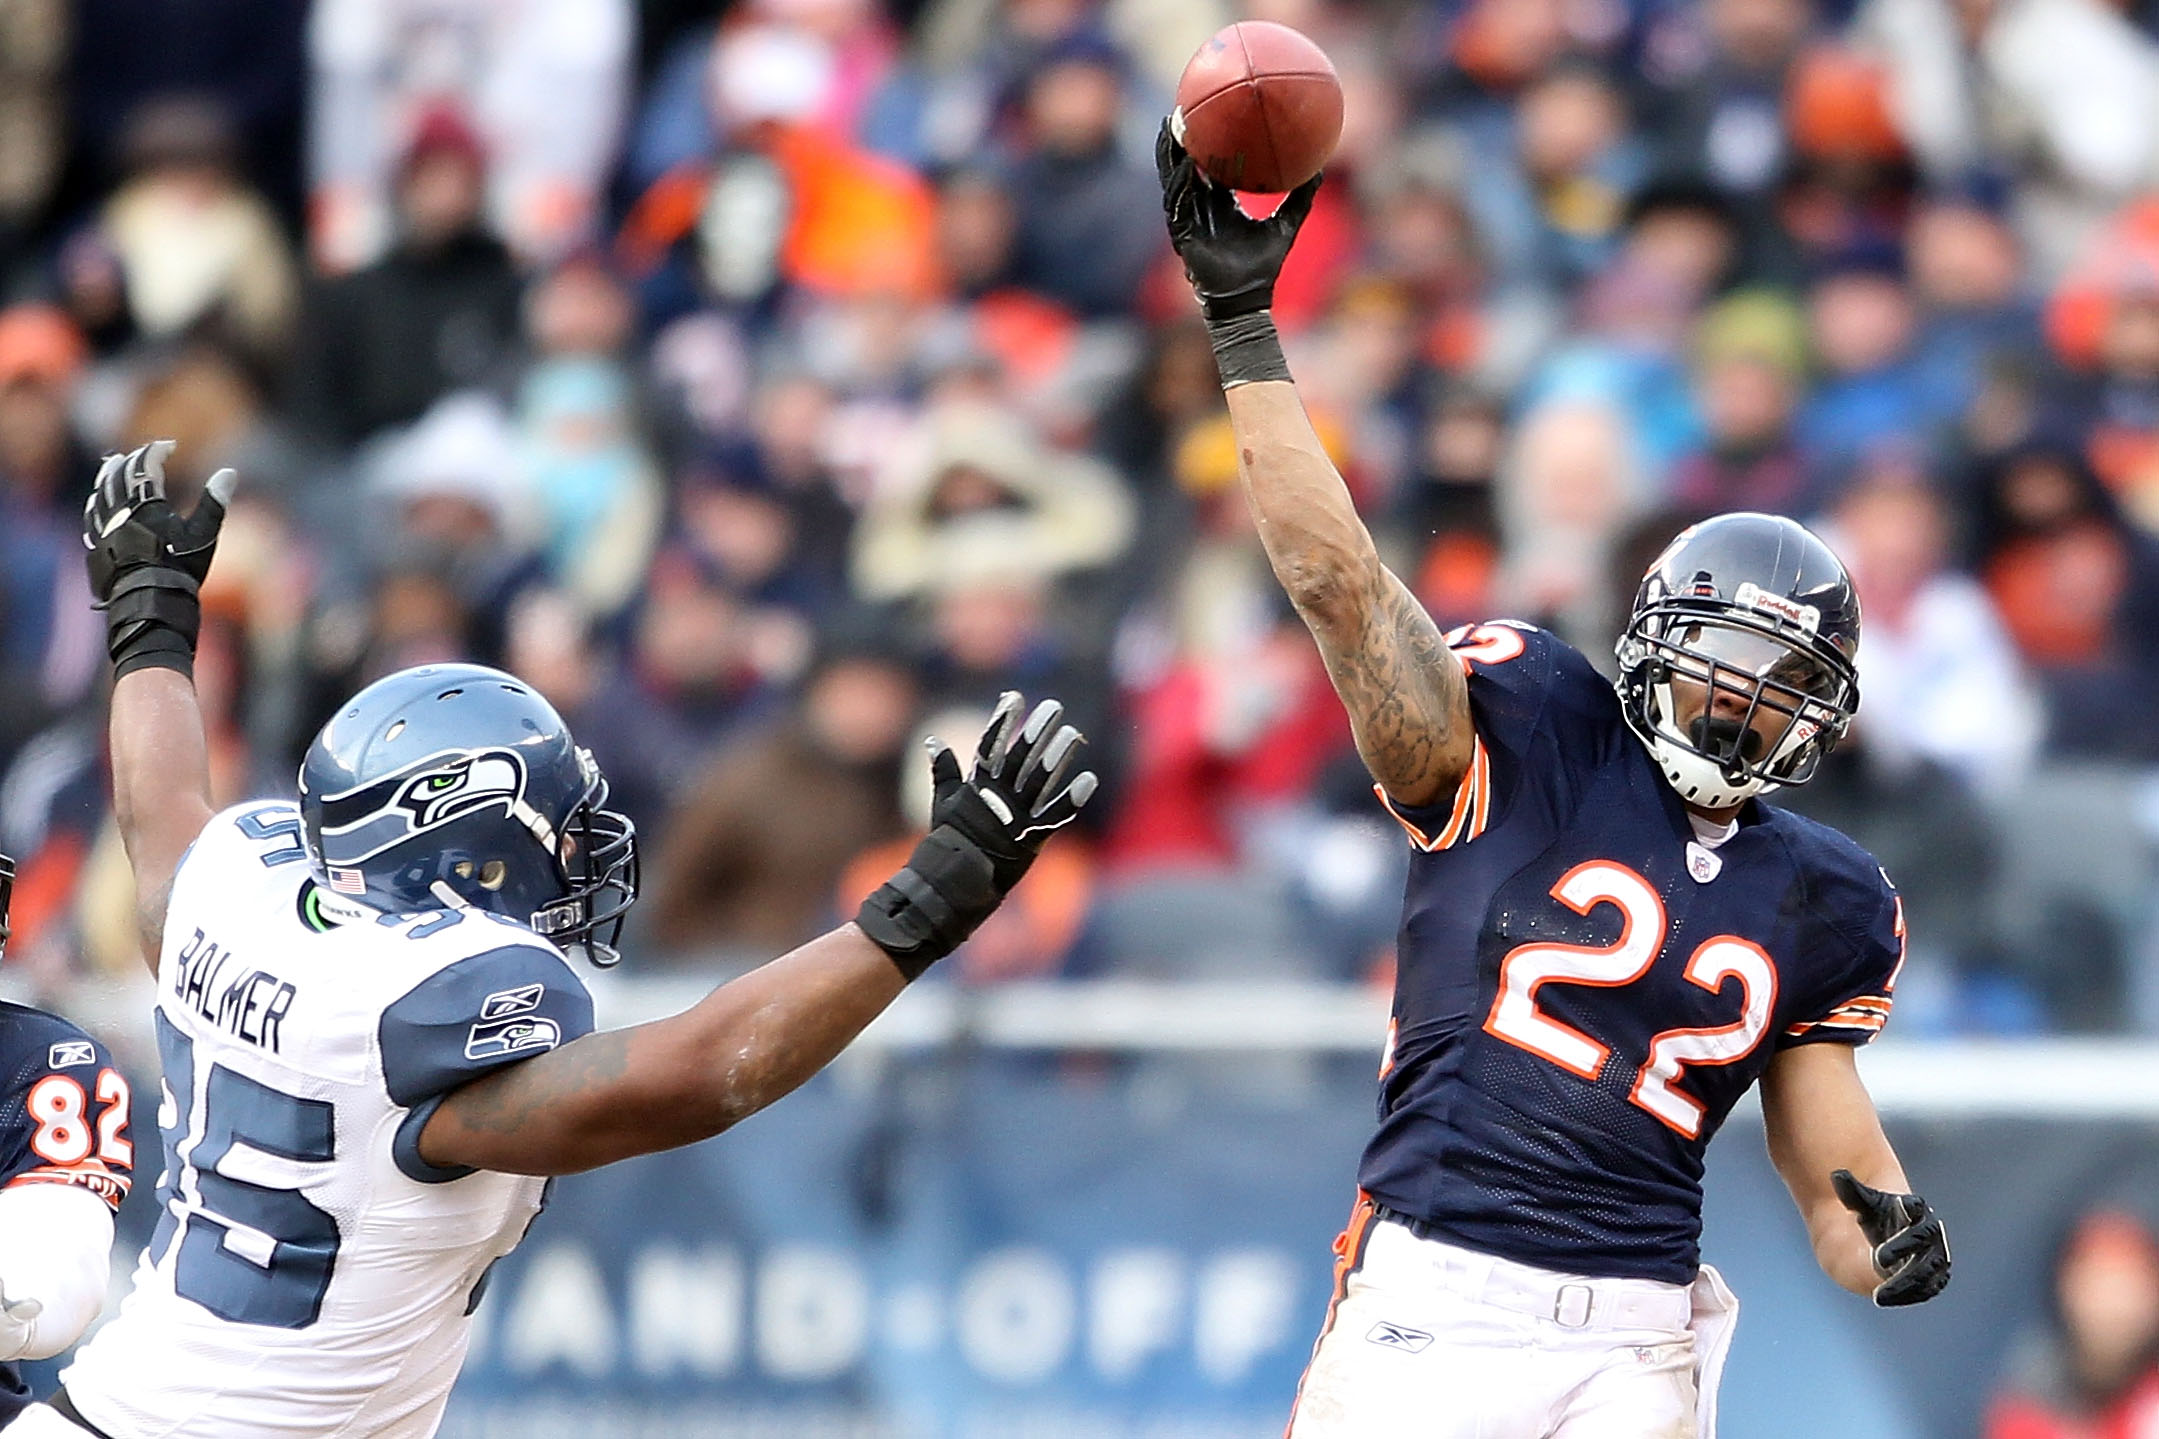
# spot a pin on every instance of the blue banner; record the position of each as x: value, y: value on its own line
x: 1064, y: 1250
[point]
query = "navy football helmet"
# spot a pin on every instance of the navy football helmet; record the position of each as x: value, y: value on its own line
x: 1757, y: 605
x: 456, y: 785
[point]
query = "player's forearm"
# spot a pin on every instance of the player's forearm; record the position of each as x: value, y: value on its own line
x: 1407, y: 701
x: 160, y: 783
x: 675, y: 1081
x: 1315, y: 540
x: 1841, y: 1250
x: 760, y: 1037
x: 1818, y: 1119
x: 55, y: 1252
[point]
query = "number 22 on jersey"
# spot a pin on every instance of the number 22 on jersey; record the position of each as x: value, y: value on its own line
x: 1516, y: 1018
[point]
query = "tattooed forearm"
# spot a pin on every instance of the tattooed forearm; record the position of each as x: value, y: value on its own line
x: 1404, y: 692
x: 1407, y: 703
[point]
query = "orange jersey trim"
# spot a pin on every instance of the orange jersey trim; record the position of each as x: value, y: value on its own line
x: 1466, y: 818
x: 91, y: 1174
x: 1868, y: 1013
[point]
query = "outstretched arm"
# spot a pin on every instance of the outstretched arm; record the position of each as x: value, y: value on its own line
x: 160, y: 787
x: 675, y: 1081
x: 1869, y: 1234
x: 1407, y: 702
x: 147, y: 564
x: 623, y: 1092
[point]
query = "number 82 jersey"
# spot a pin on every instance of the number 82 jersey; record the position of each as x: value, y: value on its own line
x: 310, y: 1273
x: 1586, y: 983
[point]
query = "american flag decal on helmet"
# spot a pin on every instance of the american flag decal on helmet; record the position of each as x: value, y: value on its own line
x: 347, y: 881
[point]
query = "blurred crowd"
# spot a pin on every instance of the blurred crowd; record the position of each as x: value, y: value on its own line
x: 772, y: 383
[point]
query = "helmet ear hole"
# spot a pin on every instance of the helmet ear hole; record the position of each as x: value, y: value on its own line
x: 493, y: 874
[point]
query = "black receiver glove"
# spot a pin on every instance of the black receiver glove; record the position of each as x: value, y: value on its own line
x: 1231, y: 259
x: 1911, y: 1248
x: 147, y: 563
x: 985, y: 830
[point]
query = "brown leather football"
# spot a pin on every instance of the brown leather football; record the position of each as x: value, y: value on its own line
x: 1259, y: 107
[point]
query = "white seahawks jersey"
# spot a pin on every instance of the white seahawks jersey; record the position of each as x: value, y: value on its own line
x: 310, y: 1274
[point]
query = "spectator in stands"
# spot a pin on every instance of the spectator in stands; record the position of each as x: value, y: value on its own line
x: 1848, y: 180
x: 548, y: 80
x: 2078, y: 588
x: 1087, y: 209
x: 438, y: 312
x: 749, y: 864
x: 1570, y: 485
x: 2094, y: 1372
x: 2062, y: 90
x: 977, y: 478
x: 595, y: 491
x: 1552, y: 204
x: 1448, y: 509
x: 43, y: 645
x: 33, y: 108
x: 1716, y: 97
x: 1750, y: 369
x: 1977, y: 315
x: 1934, y: 654
x: 453, y: 486
x: 2115, y: 404
x: 1862, y: 321
x: 198, y: 247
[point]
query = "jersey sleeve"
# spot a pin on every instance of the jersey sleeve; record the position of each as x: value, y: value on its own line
x: 1850, y: 1003
x: 1542, y: 716
x: 63, y: 1110
x: 477, y: 1015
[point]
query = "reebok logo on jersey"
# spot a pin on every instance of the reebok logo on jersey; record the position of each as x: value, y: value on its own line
x: 1395, y: 1336
x: 505, y: 1002
x: 69, y: 1053
x: 512, y: 1036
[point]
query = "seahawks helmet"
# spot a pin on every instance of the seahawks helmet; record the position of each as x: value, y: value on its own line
x: 453, y: 786
x: 1756, y: 605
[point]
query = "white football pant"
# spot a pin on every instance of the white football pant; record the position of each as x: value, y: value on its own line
x: 1429, y: 1340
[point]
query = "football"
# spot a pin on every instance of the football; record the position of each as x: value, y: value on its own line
x: 1259, y: 107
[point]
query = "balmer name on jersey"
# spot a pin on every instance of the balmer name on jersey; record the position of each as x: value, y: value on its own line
x: 1586, y: 986
x: 251, y: 1006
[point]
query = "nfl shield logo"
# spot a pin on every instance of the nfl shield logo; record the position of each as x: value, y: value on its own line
x: 1702, y: 862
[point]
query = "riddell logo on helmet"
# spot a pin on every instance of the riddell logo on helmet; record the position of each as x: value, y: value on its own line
x: 1752, y: 597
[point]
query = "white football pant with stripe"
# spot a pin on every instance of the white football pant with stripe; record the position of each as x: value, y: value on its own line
x: 1440, y: 1342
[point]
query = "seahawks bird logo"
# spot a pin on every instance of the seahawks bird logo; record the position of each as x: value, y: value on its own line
x: 466, y: 783
x: 432, y: 792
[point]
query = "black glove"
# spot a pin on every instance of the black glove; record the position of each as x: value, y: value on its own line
x: 147, y: 563
x: 1231, y: 259
x: 985, y: 830
x: 1911, y: 1248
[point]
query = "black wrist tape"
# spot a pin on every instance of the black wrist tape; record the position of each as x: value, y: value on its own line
x: 1247, y: 349
x: 923, y: 913
x: 152, y: 619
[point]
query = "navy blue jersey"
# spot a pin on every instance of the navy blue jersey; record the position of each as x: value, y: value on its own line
x: 63, y: 1120
x: 1584, y: 988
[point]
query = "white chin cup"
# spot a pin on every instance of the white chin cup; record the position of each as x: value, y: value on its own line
x: 1698, y: 780
x: 1701, y: 780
